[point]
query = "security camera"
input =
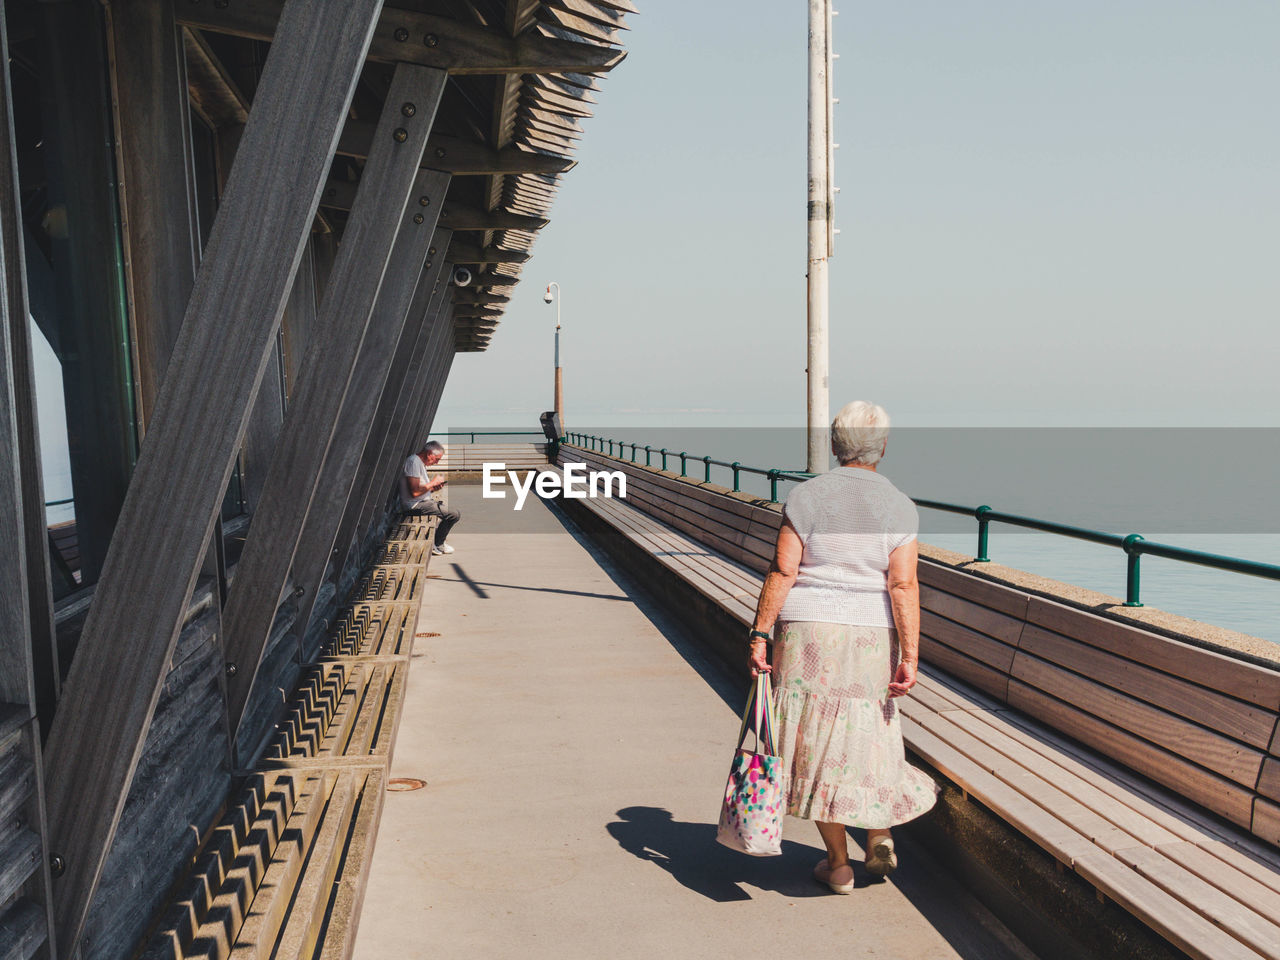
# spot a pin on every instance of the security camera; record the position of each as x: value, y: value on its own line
x: 546, y: 297
x: 461, y: 276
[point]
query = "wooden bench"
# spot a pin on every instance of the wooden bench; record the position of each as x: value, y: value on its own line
x: 283, y: 875
x: 1144, y: 764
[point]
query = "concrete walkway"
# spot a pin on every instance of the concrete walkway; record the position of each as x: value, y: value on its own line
x: 575, y: 745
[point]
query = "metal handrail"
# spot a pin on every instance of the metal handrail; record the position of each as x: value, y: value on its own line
x: 1134, y: 544
x: 774, y: 474
x: 487, y: 433
x: 58, y: 503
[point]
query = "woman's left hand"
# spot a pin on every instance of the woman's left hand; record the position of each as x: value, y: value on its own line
x: 904, y: 678
x: 759, y: 659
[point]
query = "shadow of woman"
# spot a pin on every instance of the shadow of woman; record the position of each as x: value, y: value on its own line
x: 690, y: 853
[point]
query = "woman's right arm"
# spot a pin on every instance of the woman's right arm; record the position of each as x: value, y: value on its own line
x: 777, y: 584
x: 904, y: 597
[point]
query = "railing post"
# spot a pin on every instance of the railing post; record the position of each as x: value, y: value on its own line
x: 707, y: 461
x: 647, y: 451
x: 983, y: 523
x: 1133, y: 574
x: 736, y: 466
x: 773, y: 485
x: 664, y: 458
x: 633, y: 453
x: 683, y: 455
x: 611, y: 448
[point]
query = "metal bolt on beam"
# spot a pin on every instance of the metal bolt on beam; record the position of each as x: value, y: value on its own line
x: 408, y: 109
x: 431, y: 40
x: 400, y: 135
x: 401, y: 34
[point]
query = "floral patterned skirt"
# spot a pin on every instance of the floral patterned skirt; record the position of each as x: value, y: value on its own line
x: 839, y: 735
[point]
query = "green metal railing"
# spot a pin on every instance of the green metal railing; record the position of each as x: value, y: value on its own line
x: 1134, y: 545
x: 775, y: 475
x: 488, y: 433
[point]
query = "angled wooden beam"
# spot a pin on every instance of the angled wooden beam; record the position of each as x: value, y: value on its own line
x: 404, y: 36
x: 382, y: 444
x: 463, y: 311
x: 392, y: 454
x: 411, y: 277
x: 37, y: 577
x: 459, y: 156
x: 471, y: 253
x: 23, y: 639
x: 386, y: 198
x: 173, y: 499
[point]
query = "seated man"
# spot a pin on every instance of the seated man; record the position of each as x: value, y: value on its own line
x: 416, y: 489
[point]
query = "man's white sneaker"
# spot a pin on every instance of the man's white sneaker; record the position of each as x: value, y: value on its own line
x: 440, y: 548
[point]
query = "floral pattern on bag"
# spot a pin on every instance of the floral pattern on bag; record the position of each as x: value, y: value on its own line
x: 751, y: 817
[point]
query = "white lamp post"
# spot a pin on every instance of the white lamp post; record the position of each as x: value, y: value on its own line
x: 559, y: 387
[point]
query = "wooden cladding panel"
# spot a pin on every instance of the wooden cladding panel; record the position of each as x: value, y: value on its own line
x: 23, y: 929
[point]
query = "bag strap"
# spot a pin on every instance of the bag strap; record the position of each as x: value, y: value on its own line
x: 760, y: 697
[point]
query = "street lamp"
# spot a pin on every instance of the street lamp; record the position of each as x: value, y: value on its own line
x: 559, y: 388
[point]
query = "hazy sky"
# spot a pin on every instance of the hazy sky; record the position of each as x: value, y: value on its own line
x: 1051, y: 213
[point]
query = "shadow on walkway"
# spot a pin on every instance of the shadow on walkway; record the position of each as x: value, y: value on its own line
x: 690, y: 853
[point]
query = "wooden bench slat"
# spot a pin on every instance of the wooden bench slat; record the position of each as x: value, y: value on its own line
x: 1241, y: 922
x: 963, y: 695
x: 1228, y: 675
x: 1188, y: 779
x: 979, y: 674
x: 997, y: 596
x: 273, y: 898
x: 1078, y: 788
x: 1170, y: 733
x: 971, y: 643
x: 1045, y: 795
x: 1236, y: 718
x: 1048, y: 832
x: 1244, y: 887
x: 306, y: 914
x: 1266, y: 820
x: 1269, y: 781
x: 975, y: 616
x: 1189, y: 932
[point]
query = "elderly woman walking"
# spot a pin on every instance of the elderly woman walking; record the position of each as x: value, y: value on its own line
x: 842, y: 590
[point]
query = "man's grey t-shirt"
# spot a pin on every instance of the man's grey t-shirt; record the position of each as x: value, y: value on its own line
x: 413, y: 467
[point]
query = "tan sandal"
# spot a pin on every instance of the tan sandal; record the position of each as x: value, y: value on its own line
x: 881, y: 858
x: 824, y: 874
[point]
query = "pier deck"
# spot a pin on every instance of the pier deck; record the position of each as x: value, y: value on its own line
x: 574, y: 743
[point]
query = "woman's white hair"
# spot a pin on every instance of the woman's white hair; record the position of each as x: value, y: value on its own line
x: 859, y: 432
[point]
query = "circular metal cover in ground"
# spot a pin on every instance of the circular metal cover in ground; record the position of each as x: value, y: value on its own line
x: 402, y: 784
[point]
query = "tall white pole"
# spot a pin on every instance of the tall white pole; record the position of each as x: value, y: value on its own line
x: 820, y: 203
